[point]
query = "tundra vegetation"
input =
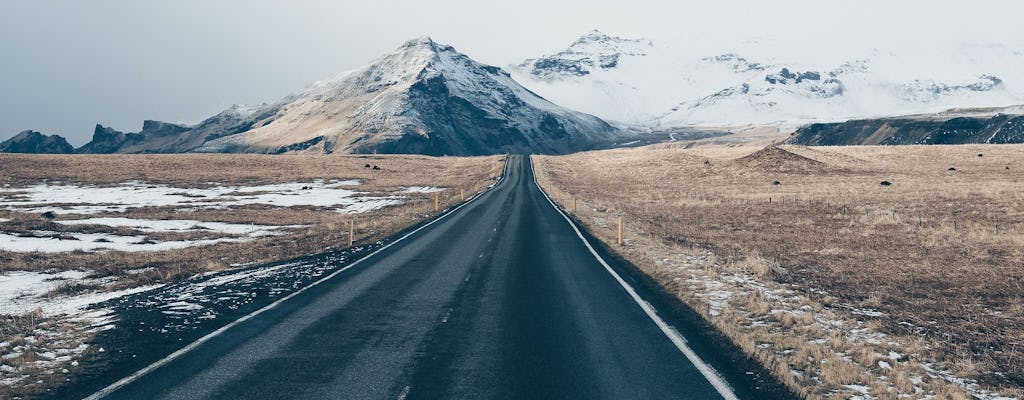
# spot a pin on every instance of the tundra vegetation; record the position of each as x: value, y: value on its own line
x: 840, y: 285
x: 44, y: 321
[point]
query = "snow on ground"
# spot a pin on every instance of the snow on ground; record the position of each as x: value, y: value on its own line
x: 2, y: 220
x: 53, y: 242
x: 76, y: 199
x: 24, y: 291
x: 62, y: 199
x: 57, y: 242
x: 718, y: 289
x: 420, y: 189
x: 180, y: 225
x: 65, y: 322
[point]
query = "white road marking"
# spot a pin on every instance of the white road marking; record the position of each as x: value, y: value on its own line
x: 404, y: 393
x: 192, y: 346
x: 708, y: 371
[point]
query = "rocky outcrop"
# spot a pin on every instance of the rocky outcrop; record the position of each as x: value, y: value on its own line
x: 36, y: 143
x: 105, y: 140
x: 946, y: 128
x: 163, y: 137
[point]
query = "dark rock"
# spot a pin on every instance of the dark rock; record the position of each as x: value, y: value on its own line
x: 786, y: 77
x: 776, y: 183
x: 49, y: 215
x: 936, y: 129
x: 32, y: 142
x: 886, y: 183
x: 104, y: 141
x: 952, y: 169
x: 376, y: 168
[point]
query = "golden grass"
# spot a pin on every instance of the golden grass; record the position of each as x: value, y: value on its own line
x: 22, y: 337
x: 939, y: 254
x: 325, y: 229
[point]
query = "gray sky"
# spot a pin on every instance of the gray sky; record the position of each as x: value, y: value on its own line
x: 67, y: 65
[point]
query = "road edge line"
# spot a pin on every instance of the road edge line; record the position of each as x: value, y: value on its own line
x: 120, y: 383
x: 705, y: 369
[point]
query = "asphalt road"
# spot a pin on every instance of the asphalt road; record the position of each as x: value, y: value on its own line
x: 500, y: 299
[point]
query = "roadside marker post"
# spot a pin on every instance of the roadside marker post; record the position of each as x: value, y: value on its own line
x: 437, y: 202
x: 351, y: 232
x: 620, y: 231
x: 574, y: 205
x: 463, y: 194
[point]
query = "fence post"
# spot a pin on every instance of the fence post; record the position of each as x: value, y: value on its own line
x: 437, y: 202
x: 463, y: 194
x: 574, y: 205
x: 351, y: 232
x: 620, y: 231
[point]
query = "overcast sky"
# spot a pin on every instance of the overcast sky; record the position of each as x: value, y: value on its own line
x: 68, y: 65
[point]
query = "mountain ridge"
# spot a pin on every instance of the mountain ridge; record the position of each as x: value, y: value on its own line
x: 425, y: 98
x: 691, y: 81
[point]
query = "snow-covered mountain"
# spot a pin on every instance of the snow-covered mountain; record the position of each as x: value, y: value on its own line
x: 424, y: 98
x: 707, y: 80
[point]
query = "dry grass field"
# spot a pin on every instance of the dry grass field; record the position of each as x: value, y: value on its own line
x: 34, y: 343
x: 323, y: 227
x: 839, y: 284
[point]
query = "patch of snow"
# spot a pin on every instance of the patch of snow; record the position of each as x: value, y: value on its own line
x: 178, y: 225
x: 421, y: 189
x: 74, y: 199
x: 861, y: 390
x: 368, y: 204
x: 24, y: 291
x: 51, y: 242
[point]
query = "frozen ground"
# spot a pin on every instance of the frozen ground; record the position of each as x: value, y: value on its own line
x: 63, y: 199
x: 722, y: 293
x: 164, y: 314
x: 60, y: 198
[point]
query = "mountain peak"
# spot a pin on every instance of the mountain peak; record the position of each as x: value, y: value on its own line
x: 424, y: 43
x: 36, y: 143
x: 592, y: 52
x: 593, y: 36
x: 425, y: 97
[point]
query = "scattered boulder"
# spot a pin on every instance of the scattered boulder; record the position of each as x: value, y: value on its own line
x: 952, y: 169
x: 776, y: 183
x: 49, y: 215
x: 981, y: 155
x: 366, y: 166
x: 307, y: 188
x: 886, y: 183
x: 376, y: 168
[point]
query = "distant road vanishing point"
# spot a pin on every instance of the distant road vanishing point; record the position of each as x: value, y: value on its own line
x: 502, y: 298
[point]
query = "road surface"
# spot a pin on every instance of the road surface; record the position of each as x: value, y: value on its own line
x: 499, y: 299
